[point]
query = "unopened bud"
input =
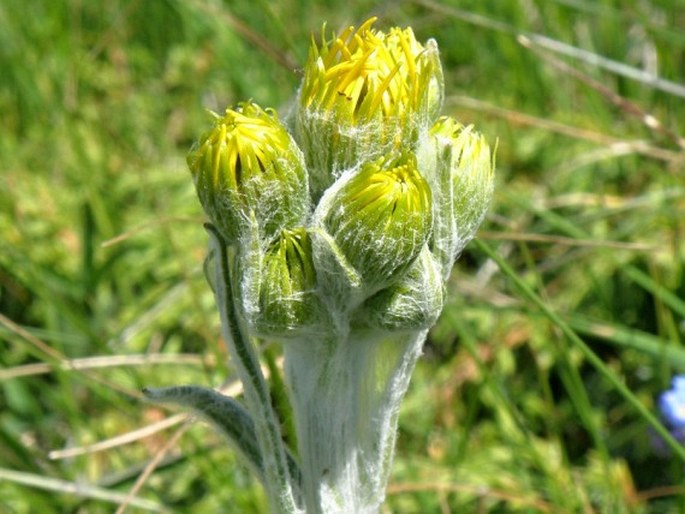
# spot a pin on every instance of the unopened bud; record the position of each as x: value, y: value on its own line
x: 381, y: 217
x: 460, y: 169
x: 288, y: 301
x: 249, y: 163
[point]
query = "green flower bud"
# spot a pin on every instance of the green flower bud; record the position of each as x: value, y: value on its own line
x: 460, y: 168
x: 380, y: 217
x: 412, y: 303
x: 365, y: 94
x: 288, y: 301
x: 249, y: 163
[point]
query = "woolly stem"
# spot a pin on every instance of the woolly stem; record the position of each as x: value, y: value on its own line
x: 346, y: 394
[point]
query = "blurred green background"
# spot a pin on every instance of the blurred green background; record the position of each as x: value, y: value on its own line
x: 101, y: 250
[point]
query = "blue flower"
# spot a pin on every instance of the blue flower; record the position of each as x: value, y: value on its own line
x: 672, y: 404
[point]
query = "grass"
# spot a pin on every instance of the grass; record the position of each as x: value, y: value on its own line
x: 565, y: 320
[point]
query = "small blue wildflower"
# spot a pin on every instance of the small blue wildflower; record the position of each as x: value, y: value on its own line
x: 672, y: 404
x: 672, y: 408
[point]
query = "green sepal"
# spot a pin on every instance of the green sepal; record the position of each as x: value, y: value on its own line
x: 413, y: 303
x: 336, y: 276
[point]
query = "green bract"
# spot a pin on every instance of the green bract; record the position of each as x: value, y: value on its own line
x: 249, y: 163
x: 412, y: 303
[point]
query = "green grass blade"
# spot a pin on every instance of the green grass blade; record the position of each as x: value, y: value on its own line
x: 591, y: 356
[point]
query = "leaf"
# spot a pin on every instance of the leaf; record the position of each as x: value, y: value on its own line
x: 224, y: 412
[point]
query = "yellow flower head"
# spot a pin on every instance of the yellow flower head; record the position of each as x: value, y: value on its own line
x: 248, y: 163
x: 365, y: 73
x: 363, y: 95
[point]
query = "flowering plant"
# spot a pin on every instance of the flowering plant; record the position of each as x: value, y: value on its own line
x: 333, y: 232
x: 671, y: 405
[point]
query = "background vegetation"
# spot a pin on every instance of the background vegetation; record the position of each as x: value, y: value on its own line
x: 526, y: 398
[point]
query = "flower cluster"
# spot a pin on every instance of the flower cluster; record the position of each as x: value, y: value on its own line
x: 368, y: 177
x: 334, y: 232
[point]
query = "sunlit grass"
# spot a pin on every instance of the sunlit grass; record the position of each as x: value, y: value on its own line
x: 536, y: 391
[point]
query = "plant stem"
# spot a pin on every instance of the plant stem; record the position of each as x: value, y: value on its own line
x: 346, y: 394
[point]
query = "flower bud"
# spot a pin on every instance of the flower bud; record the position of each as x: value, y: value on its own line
x: 288, y: 300
x: 380, y: 218
x: 365, y: 94
x: 460, y: 168
x: 249, y: 163
x: 412, y: 303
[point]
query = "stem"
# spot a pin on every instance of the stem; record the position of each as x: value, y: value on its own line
x: 346, y: 394
x: 277, y: 479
